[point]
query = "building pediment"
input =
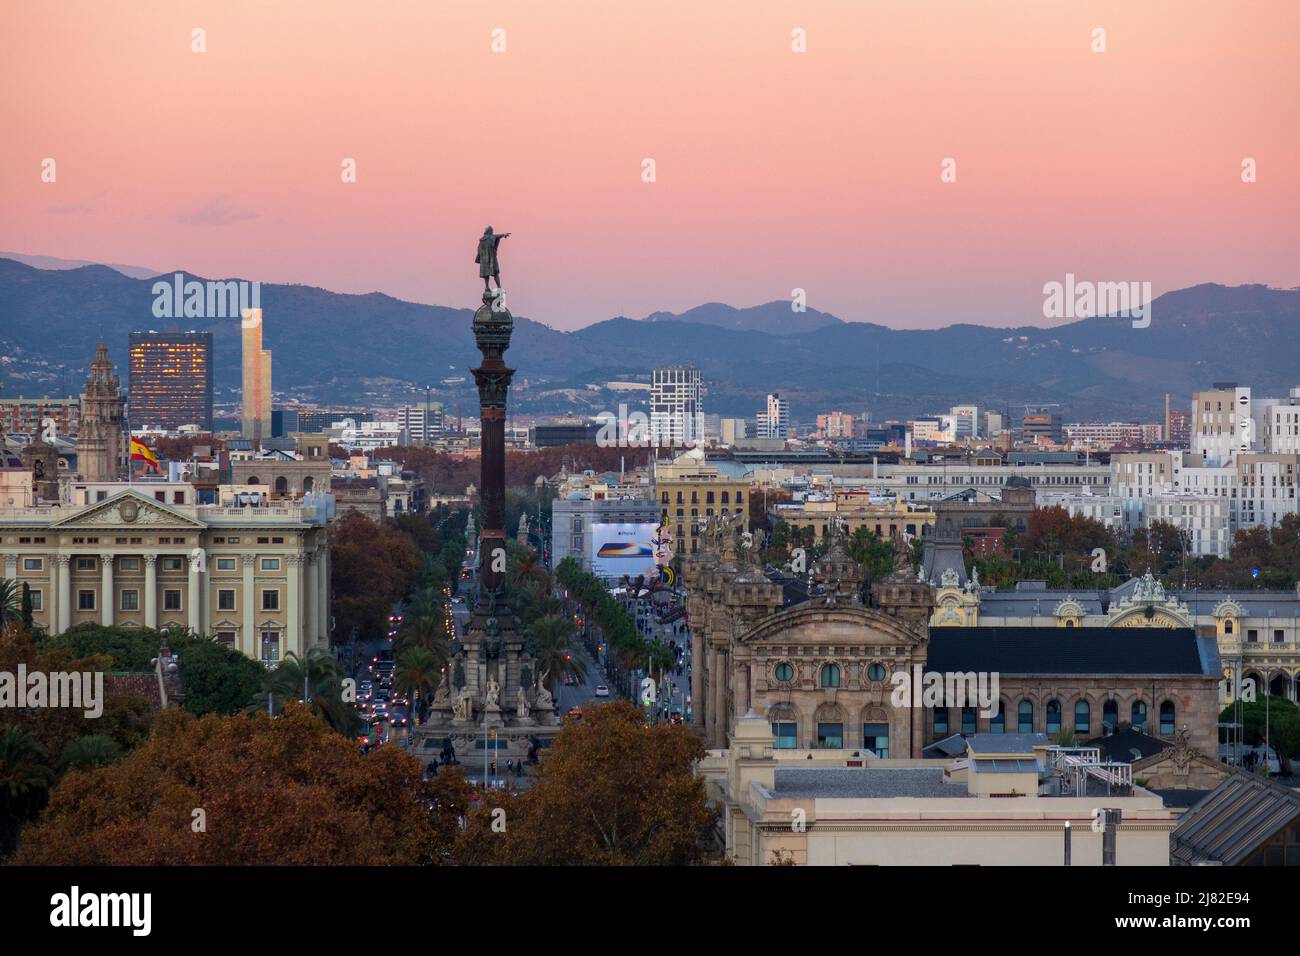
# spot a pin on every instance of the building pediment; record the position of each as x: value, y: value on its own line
x: 125, y: 510
x: 814, y: 623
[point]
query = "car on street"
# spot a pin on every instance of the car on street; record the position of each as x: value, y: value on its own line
x: 398, y: 719
x: 575, y: 713
x: 602, y: 690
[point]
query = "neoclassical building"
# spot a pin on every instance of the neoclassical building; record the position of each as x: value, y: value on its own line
x: 1258, y: 632
x: 820, y: 666
x: 145, y: 555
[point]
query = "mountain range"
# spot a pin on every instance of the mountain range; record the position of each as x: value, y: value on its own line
x: 375, y: 350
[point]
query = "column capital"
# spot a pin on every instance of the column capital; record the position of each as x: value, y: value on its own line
x: 295, y: 560
x: 63, y: 559
x: 248, y: 557
x: 106, y: 557
x: 151, y: 559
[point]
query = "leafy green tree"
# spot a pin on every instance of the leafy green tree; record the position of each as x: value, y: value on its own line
x: 315, y: 679
x: 553, y: 636
x: 418, y: 673
x: 10, y: 612
x: 90, y: 750
x: 25, y: 781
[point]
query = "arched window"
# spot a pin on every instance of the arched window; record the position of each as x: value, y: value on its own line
x: 254, y: 480
x: 1168, y: 726
x: 876, y: 673
x: 1138, y: 713
x: 1109, y: 717
x: 1227, y: 627
x: 785, y: 727
x: 1082, y: 717
x: 1053, y: 716
x: 1069, y: 622
x: 282, y: 485
x: 1025, y: 717
x: 998, y: 722
x: 968, y: 720
x: 307, y: 485
x: 831, y: 675
x: 784, y: 672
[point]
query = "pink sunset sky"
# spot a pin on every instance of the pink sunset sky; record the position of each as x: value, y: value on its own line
x: 775, y: 169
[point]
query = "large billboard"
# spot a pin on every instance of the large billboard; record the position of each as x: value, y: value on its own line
x: 619, y: 549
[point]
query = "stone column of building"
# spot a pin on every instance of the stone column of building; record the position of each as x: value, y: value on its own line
x: 106, y: 589
x: 323, y: 593
x: 52, y: 595
x: 742, y: 687
x: 249, y: 598
x: 151, y: 590
x: 697, y: 679
x: 65, y: 593
x: 312, y: 634
x: 294, y: 640
x: 194, y: 598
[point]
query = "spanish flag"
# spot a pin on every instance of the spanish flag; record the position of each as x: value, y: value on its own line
x: 141, y: 452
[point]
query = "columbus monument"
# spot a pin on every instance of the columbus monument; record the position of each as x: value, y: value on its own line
x: 491, y: 663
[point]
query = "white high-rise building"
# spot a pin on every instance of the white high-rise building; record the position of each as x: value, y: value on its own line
x: 1222, y: 424
x: 1279, y: 424
x: 775, y: 421
x: 420, y: 423
x: 966, y: 421
x: 677, y: 405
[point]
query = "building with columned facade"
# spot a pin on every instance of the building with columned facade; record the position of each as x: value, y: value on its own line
x: 145, y: 555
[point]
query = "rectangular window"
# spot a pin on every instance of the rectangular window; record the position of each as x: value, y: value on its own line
x: 270, y: 600
x: 1252, y: 636
x: 941, y: 722
x: 130, y: 600
x: 38, y: 600
x: 785, y: 733
x: 171, y: 564
x: 1278, y: 636
x: 227, y: 638
x: 33, y: 564
x: 171, y: 600
x: 225, y: 600
x: 128, y: 564
x: 85, y: 600
x: 270, y: 564
x: 85, y: 564
x: 875, y: 737
x: 830, y: 736
x: 225, y: 564
x: 270, y: 646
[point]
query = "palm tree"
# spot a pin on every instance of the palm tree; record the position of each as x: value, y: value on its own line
x: 315, y: 679
x: 25, y: 780
x: 92, y: 750
x: 418, y: 673
x: 10, y: 610
x: 553, y: 635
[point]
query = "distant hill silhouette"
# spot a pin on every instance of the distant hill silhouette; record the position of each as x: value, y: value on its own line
x: 374, y: 349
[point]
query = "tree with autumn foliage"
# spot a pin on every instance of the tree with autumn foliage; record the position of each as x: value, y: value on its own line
x: 609, y: 791
x: 372, y: 566
x: 271, y: 791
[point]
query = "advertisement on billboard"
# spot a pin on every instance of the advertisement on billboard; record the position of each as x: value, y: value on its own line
x: 619, y: 549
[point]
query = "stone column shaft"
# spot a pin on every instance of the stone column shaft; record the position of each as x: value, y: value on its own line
x: 106, y: 589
